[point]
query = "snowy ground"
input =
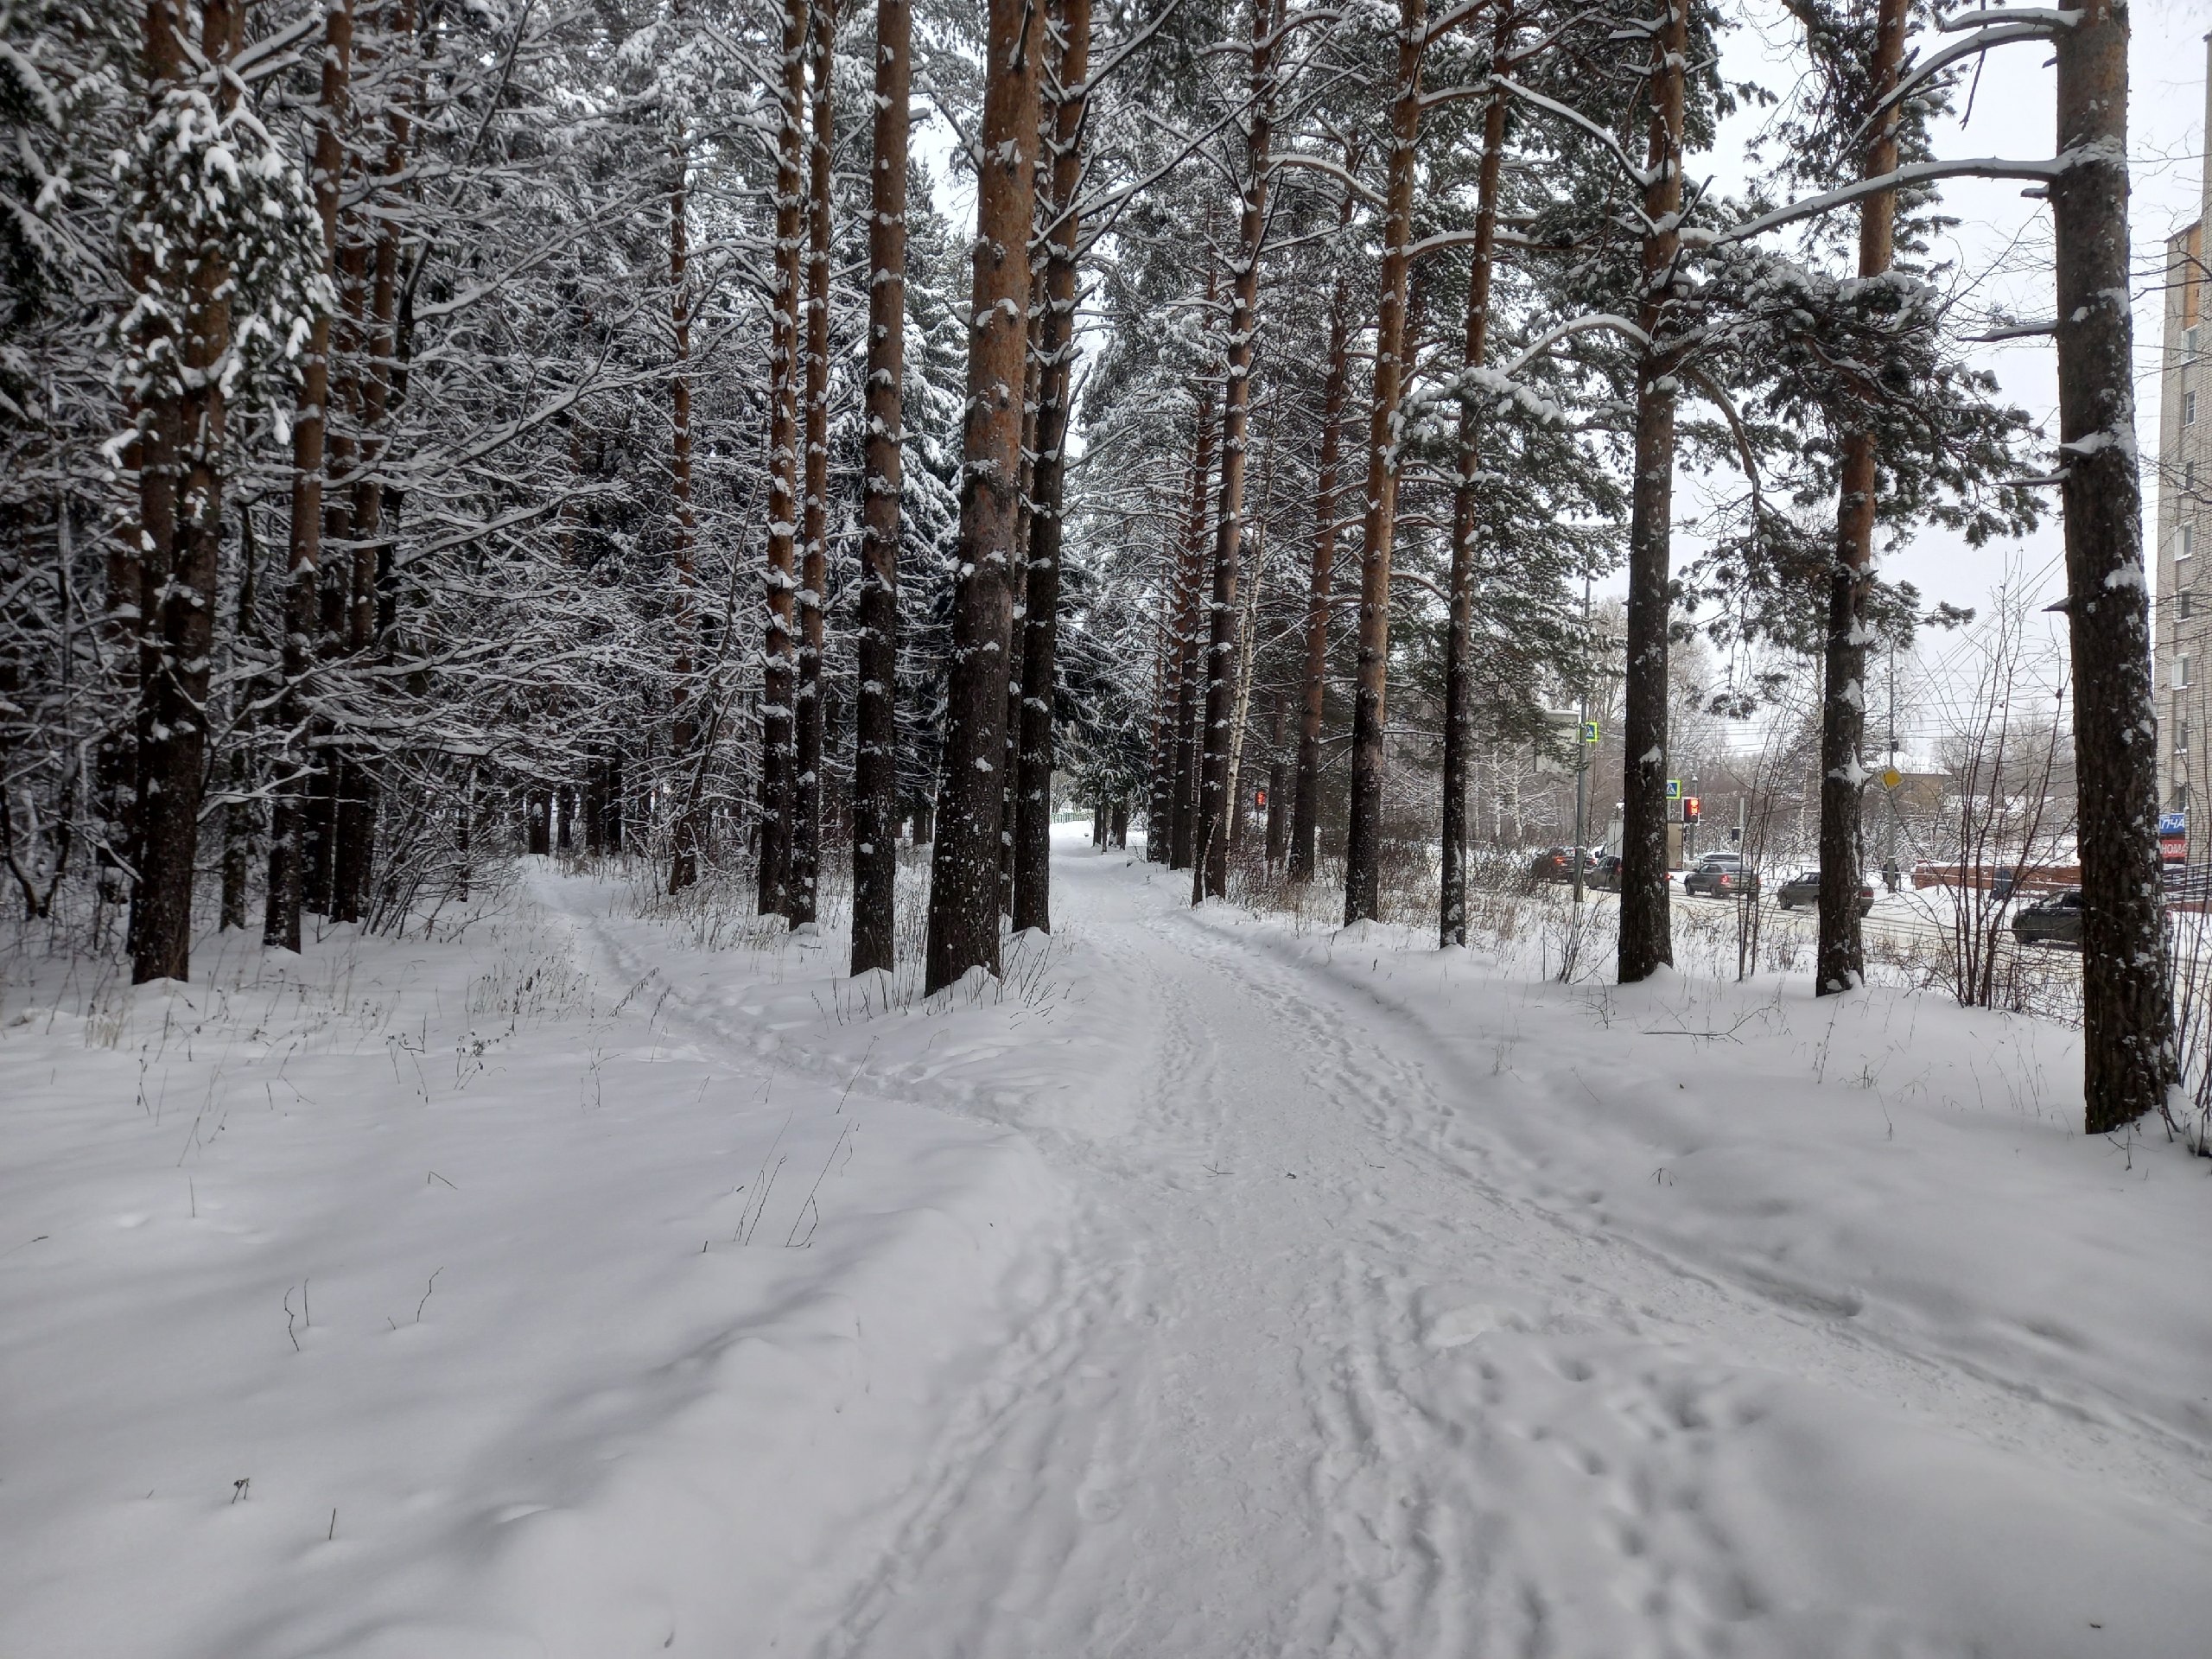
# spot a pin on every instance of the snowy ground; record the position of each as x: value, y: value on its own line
x: 1218, y: 1287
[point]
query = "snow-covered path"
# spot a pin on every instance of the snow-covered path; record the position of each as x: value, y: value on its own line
x: 601, y: 1279
x: 1330, y: 1369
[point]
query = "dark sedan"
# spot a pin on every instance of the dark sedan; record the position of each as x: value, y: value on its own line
x: 1605, y: 874
x: 1804, y: 889
x: 1557, y: 864
x: 1723, y: 876
x: 2054, y: 920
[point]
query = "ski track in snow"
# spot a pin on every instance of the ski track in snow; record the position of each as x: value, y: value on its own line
x: 1326, y: 1371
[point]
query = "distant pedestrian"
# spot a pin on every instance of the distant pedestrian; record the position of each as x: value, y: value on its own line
x: 1892, y: 876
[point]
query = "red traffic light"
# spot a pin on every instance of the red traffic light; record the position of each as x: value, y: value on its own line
x: 1689, y: 808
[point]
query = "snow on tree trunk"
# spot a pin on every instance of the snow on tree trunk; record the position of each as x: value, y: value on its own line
x: 1646, y: 936
x: 1306, y: 808
x: 963, y: 912
x: 1069, y: 21
x: 1840, y: 959
x: 1210, y: 865
x: 1458, y: 701
x: 303, y: 562
x: 875, y: 747
x: 354, y: 845
x: 779, y: 759
x: 683, y: 723
x: 1362, y: 843
x: 1189, y: 576
x: 2126, y: 999
x: 814, y: 571
x: 185, y: 566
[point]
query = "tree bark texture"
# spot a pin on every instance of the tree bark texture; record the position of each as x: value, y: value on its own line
x: 172, y: 756
x: 964, y: 914
x: 814, y: 567
x: 778, y: 740
x: 280, y: 924
x: 1646, y: 937
x: 1363, y: 842
x: 354, y: 847
x: 1306, y: 806
x: 1458, y: 672
x: 1069, y: 21
x: 875, y: 742
x: 683, y: 722
x: 1210, y: 865
x: 2127, y: 1048
x: 1840, y: 957
x: 1188, y: 587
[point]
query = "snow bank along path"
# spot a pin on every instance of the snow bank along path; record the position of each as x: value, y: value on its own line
x: 1376, y: 1336
x: 1217, y: 1289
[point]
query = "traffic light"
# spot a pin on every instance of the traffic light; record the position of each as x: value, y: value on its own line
x: 1689, y: 808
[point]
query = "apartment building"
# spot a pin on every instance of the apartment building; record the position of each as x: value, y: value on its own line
x: 2182, y: 624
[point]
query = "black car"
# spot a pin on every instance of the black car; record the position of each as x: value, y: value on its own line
x: 2054, y: 920
x: 1605, y: 874
x: 1557, y: 864
x: 1804, y: 889
x: 1723, y: 876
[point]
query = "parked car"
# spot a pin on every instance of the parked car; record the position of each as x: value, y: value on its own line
x: 1804, y: 889
x: 2054, y: 920
x: 1723, y: 876
x: 1557, y: 864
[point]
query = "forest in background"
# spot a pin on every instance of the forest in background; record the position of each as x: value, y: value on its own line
x: 434, y: 430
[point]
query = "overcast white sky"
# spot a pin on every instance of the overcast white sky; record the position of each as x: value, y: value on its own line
x: 2012, y: 114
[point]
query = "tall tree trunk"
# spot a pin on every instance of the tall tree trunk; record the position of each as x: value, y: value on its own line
x: 1069, y: 21
x: 1188, y: 579
x: 1647, y: 937
x: 875, y: 745
x: 1364, y: 843
x: 1160, y: 804
x: 238, y: 807
x: 1458, y: 670
x: 172, y: 766
x: 1840, y: 957
x: 683, y: 724
x: 280, y: 924
x: 1186, y: 638
x: 1306, y: 807
x: 355, y: 828
x: 778, y: 757
x: 342, y: 451
x: 964, y: 916
x: 1210, y: 868
x: 2128, y: 1047
x: 1278, y: 808
x: 814, y: 572
x: 1018, y: 574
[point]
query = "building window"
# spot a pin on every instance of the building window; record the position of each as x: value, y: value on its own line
x: 2181, y: 602
x: 2188, y: 409
x: 2188, y: 343
x: 2181, y: 737
x: 2189, y: 475
x: 2181, y: 797
x: 2184, y: 541
x: 2181, y: 670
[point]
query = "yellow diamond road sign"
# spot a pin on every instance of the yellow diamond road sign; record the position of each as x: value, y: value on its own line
x: 1891, y: 778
